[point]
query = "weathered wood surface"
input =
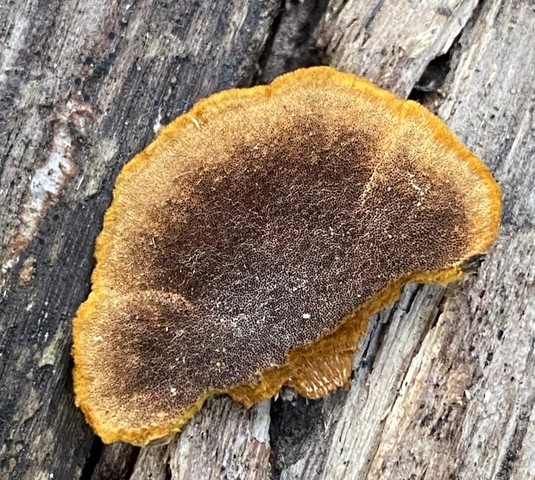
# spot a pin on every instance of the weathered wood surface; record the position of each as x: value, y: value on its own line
x: 444, y: 383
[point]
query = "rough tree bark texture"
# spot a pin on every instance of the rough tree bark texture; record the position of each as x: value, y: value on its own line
x: 443, y: 384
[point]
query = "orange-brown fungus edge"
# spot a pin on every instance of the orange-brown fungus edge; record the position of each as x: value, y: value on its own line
x: 247, y: 246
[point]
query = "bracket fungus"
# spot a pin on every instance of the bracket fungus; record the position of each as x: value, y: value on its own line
x: 246, y: 247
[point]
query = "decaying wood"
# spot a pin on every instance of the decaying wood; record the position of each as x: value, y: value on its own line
x: 443, y: 384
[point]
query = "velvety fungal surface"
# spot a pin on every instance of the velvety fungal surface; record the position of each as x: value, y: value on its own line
x: 246, y: 247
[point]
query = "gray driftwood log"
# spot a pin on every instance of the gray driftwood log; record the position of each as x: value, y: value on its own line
x: 444, y: 382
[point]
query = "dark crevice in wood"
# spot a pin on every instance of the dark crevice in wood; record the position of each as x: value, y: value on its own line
x: 92, y: 461
x: 428, y: 90
x: 441, y: 308
x: 116, y: 462
x: 268, y: 46
x: 377, y: 330
x: 292, y: 43
x: 294, y: 422
x: 168, y: 471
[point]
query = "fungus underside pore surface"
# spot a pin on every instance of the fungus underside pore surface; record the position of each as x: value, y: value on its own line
x: 246, y: 247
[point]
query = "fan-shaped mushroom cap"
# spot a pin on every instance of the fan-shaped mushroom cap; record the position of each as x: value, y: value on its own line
x: 246, y: 246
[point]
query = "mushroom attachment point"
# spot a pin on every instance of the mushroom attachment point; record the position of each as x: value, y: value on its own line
x: 246, y: 247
